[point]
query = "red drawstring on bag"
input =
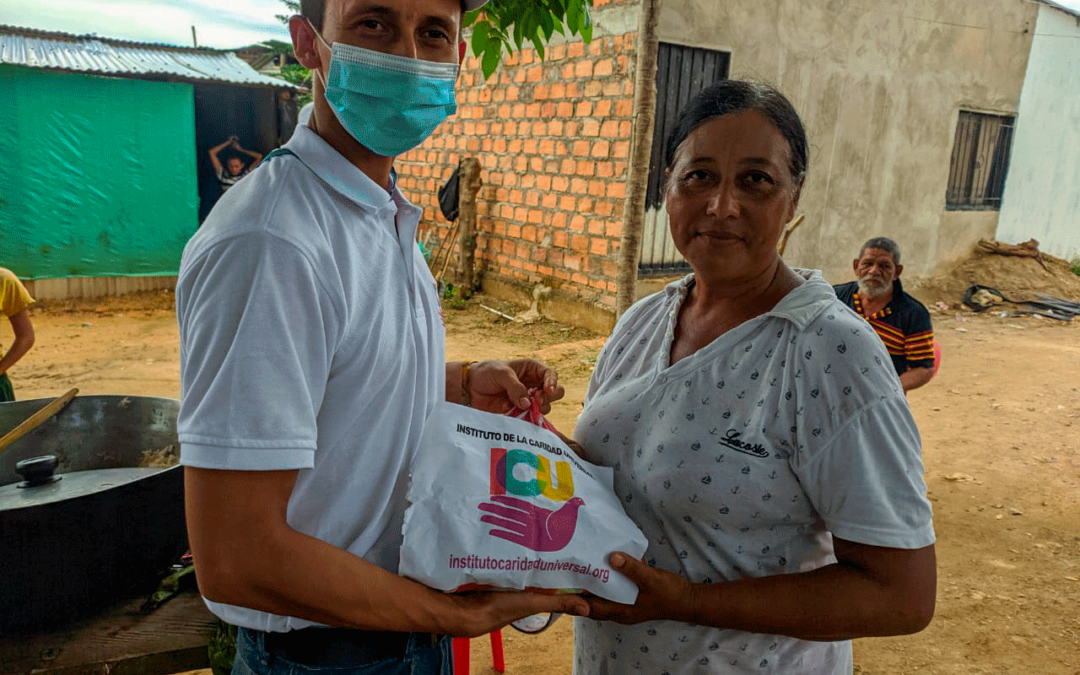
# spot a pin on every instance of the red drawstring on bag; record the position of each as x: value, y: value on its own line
x: 532, y: 413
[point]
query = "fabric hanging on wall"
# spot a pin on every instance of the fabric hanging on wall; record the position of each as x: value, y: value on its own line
x: 97, y: 176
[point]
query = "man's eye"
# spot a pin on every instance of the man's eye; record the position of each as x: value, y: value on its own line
x: 436, y: 34
x: 370, y: 24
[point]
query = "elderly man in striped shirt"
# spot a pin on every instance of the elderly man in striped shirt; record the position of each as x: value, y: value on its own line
x: 901, y: 321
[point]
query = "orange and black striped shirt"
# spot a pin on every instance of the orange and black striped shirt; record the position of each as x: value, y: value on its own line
x: 903, y: 325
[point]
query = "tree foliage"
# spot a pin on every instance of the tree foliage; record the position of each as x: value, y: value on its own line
x: 501, y: 26
x: 277, y: 46
x: 301, y: 77
x: 294, y: 8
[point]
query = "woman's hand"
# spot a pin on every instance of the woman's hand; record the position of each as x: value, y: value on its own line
x: 661, y: 595
x: 501, y: 386
x: 870, y: 592
x: 572, y: 444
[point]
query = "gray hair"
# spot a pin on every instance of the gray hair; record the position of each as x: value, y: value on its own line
x: 883, y: 244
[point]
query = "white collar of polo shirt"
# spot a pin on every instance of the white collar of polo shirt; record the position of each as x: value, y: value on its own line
x: 341, y: 175
x: 800, y: 306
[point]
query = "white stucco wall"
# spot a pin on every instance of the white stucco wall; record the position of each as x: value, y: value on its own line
x: 1042, y: 189
x: 879, y: 86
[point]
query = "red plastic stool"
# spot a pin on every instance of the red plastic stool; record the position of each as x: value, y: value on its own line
x: 461, y: 654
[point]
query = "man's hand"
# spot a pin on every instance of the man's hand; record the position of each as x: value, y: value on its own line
x: 502, y: 386
x: 484, y: 612
x: 661, y: 595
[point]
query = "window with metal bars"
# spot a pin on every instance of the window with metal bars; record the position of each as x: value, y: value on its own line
x: 980, y: 161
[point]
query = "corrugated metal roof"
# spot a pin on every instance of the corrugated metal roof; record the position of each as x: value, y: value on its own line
x: 93, y: 54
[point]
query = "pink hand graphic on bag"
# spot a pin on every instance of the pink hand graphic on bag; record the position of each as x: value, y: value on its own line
x: 530, y: 526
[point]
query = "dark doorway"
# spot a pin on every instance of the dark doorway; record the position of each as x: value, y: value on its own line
x: 262, y: 117
x: 681, y: 72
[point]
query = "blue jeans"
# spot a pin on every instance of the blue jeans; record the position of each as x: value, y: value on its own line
x: 419, y: 656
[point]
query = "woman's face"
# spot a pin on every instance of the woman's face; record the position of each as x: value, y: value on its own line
x: 729, y: 194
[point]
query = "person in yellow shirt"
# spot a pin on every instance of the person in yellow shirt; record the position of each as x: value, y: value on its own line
x: 14, y: 301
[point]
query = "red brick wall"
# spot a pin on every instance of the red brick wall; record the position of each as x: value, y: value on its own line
x: 553, y: 138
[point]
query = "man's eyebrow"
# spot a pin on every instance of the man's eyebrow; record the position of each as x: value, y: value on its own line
x: 442, y: 22
x: 365, y: 8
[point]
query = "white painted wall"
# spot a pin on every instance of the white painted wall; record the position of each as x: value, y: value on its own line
x: 1042, y: 189
x: 879, y: 86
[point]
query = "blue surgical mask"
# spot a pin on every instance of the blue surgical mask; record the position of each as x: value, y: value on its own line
x: 389, y: 104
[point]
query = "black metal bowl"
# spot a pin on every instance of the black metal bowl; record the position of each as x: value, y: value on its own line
x: 74, y: 546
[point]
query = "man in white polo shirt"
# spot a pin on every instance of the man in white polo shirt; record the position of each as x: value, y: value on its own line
x: 312, y: 352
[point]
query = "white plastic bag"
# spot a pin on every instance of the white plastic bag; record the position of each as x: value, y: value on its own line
x: 500, y: 502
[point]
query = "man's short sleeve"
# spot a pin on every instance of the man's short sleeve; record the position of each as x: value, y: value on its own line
x: 257, y: 332
x: 918, y: 337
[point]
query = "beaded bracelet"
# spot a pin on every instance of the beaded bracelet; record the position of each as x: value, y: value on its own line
x: 466, y: 390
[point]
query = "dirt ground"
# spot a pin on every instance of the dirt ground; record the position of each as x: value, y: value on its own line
x: 1000, y: 429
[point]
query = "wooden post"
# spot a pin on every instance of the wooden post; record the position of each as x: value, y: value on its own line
x: 637, y: 180
x: 780, y: 247
x: 468, y: 187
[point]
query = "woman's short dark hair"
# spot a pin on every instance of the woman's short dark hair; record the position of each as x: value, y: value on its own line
x: 734, y: 96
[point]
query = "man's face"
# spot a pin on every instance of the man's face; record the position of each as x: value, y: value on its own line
x: 420, y: 29
x: 875, y: 271
x: 235, y: 165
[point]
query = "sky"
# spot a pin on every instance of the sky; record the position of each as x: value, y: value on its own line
x: 223, y: 24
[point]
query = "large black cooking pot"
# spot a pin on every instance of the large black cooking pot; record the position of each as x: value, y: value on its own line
x: 102, y: 527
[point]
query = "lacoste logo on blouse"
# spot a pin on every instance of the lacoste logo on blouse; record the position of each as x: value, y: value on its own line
x: 732, y: 440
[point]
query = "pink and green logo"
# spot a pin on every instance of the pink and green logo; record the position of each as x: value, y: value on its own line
x: 520, y: 521
x: 537, y: 472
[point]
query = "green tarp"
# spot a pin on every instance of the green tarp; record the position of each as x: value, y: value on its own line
x: 97, y: 174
